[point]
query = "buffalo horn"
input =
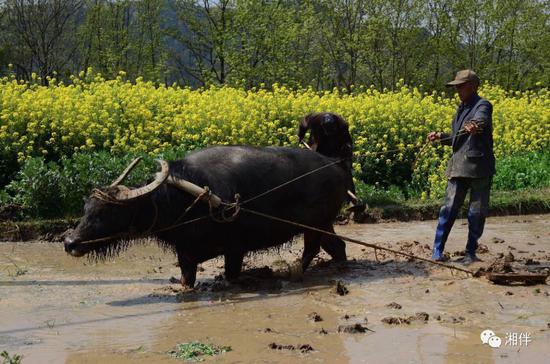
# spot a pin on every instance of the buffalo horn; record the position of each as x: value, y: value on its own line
x: 193, y: 189
x: 129, y: 194
x: 126, y: 172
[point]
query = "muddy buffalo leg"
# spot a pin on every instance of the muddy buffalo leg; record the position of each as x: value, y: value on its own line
x: 334, y: 246
x: 312, y: 247
x: 188, y: 270
x: 233, y: 264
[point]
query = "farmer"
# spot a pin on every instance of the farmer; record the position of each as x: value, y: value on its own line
x: 471, y: 167
x: 329, y: 135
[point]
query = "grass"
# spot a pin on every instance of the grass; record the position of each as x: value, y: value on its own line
x: 195, y: 351
x: 18, y: 270
x: 10, y: 359
x: 528, y: 201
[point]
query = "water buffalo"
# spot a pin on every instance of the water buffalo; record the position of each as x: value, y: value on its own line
x: 116, y: 214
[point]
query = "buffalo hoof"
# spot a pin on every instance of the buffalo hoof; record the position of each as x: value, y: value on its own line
x: 296, y: 271
x: 184, y: 284
x: 187, y: 289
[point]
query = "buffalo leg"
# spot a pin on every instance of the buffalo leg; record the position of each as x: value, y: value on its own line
x: 188, y: 270
x: 233, y: 264
x: 312, y: 247
x: 334, y: 246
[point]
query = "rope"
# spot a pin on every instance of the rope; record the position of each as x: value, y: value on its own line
x: 148, y: 231
x: 355, y: 241
x: 237, y: 208
x: 186, y: 211
x: 105, y: 197
x: 291, y: 181
x: 413, y: 166
x: 110, y: 237
x: 182, y: 224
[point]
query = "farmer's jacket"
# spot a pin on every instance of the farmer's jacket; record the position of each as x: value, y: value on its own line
x: 473, y: 155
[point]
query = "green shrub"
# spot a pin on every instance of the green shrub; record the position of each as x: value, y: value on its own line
x: 530, y: 170
x: 86, y: 171
x: 48, y: 190
x: 37, y: 188
x: 378, y: 196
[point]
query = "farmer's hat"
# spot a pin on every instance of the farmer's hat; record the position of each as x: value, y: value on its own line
x: 463, y: 77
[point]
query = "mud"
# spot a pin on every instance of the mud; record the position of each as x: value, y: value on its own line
x: 394, y: 305
x: 58, y: 309
x: 419, y: 317
x: 303, y: 348
x: 341, y: 288
x: 356, y: 328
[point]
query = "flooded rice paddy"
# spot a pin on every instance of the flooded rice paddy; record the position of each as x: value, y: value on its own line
x: 59, y: 309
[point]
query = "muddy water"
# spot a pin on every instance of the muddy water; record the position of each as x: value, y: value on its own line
x: 56, y: 309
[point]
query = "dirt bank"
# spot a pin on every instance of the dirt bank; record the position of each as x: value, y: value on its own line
x: 56, y: 309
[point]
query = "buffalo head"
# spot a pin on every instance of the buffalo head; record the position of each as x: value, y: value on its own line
x: 111, y: 216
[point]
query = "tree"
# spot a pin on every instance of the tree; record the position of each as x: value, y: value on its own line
x: 343, y: 24
x: 300, y: 43
x: 105, y: 35
x: 205, y: 30
x: 4, y: 59
x: 269, y: 44
x: 438, y: 24
x: 149, y: 52
x: 41, y: 35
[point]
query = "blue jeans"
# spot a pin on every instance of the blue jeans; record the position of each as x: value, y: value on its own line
x: 457, y: 188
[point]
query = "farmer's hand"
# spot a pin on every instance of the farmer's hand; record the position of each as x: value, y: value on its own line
x: 434, y: 135
x: 472, y: 127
